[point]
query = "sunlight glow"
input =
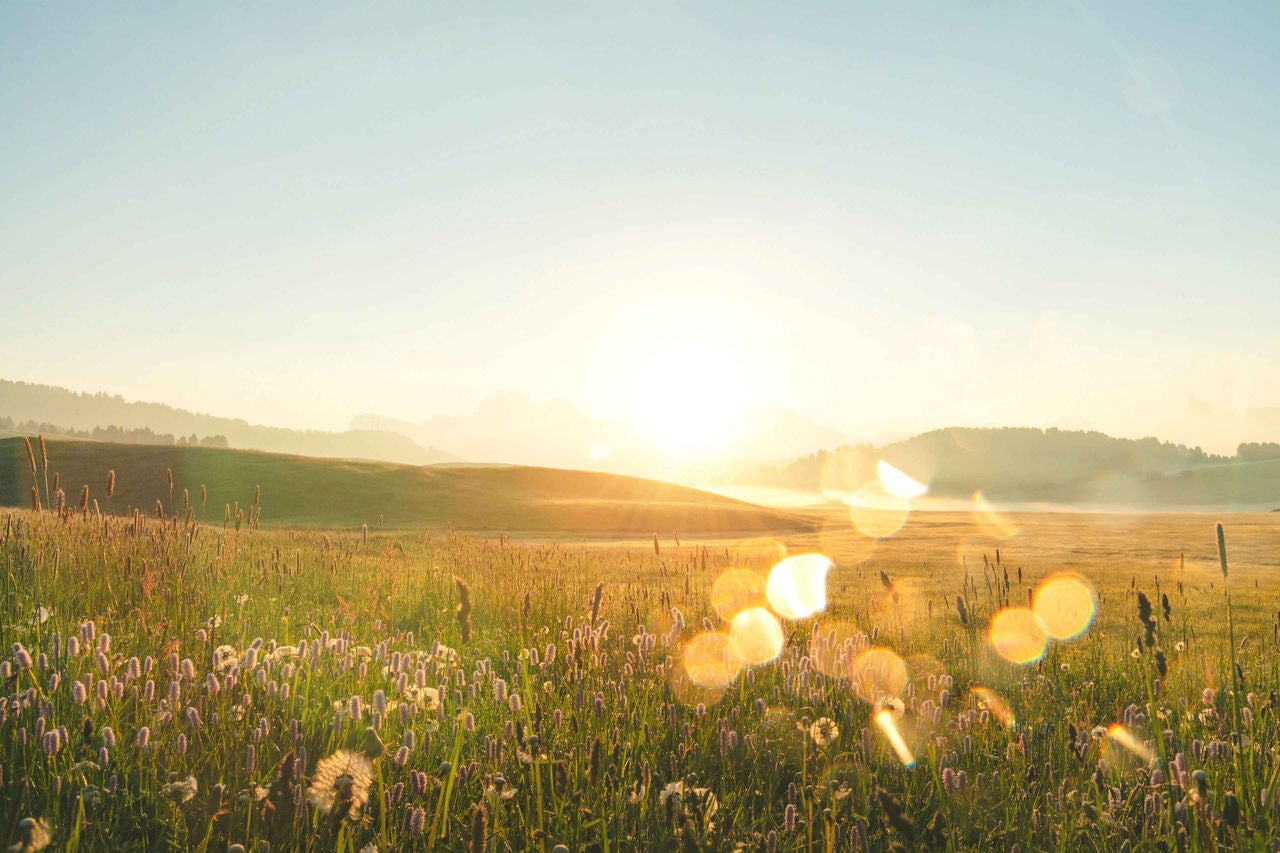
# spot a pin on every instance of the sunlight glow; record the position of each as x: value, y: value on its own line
x: 709, y: 661
x: 736, y: 590
x: 835, y: 645
x: 755, y: 636
x: 897, y: 483
x: 1018, y: 635
x: 878, y: 675
x: 889, y: 726
x: 989, y: 520
x: 1125, y: 738
x: 876, y: 512
x: 1066, y: 605
x: 689, y: 395
x: 797, y: 586
x: 994, y: 704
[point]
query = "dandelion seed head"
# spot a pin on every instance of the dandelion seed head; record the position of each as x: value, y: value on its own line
x: 824, y: 731
x: 341, y: 776
x: 33, y: 835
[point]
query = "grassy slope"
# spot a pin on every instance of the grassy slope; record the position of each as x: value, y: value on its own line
x: 304, y: 491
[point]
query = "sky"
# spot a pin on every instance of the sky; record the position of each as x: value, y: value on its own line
x: 887, y: 217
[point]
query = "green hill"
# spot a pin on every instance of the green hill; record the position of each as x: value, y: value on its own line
x: 323, y: 492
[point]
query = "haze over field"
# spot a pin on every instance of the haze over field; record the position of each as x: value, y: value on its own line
x: 867, y: 221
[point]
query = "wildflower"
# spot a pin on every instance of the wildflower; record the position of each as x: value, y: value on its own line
x: 341, y: 779
x: 824, y: 731
x: 33, y: 835
x: 701, y: 797
x: 180, y: 790
x: 499, y: 789
x: 427, y: 698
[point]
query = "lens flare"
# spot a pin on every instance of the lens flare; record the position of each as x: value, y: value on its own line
x: 889, y: 726
x: 876, y: 512
x: 737, y: 590
x: 898, y: 483
x: 1125, y: 738
x: 755, y: 636
x: 1066, y: 605
x: 835, y: 645
x: 878, y: 674
x: 797, y: 586
x: 989, y: 520
x: 689, y: 694
x: 994, y: 704
x: 709, y: 661
x: 1018, y: 635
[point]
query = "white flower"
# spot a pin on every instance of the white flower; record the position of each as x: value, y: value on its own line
x: 181, y: 790
x: 343, y: 777
x: 33, y: 835
x: 426, y: 698
x: 824, y: 731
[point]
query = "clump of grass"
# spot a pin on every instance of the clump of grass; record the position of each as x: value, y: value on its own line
x: 463, y: 610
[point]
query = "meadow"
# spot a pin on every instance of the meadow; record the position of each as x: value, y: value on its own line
x: 180, y: 685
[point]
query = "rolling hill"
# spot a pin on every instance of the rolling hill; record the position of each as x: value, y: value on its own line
x: 68, y: 410
x: 320, y: 492
x: 1027, y: 466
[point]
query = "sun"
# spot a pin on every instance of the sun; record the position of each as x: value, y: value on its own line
x: 688, y: 396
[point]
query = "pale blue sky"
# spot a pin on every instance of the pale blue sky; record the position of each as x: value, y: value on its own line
x: 892, y: 216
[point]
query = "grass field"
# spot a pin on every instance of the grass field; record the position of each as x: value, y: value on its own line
x: 173, y: 685
x: 213, y: 484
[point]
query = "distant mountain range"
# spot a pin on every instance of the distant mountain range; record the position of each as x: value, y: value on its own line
x: 48, y: 406
x: 776, y: 449
x: 513, y: 428
x: 1023, y: 466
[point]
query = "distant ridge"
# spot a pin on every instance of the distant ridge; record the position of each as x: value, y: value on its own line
x: 1052, y: 466
x: 298, y: 491
x: 23, y: 401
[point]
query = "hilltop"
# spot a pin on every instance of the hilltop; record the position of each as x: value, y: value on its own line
x: 53, y: 410
x: 298, y: 491
x: 1051, y: 466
